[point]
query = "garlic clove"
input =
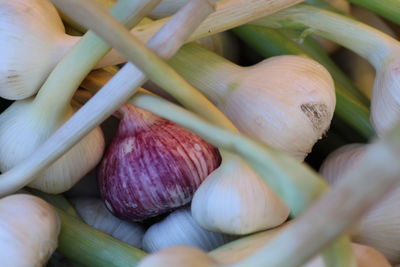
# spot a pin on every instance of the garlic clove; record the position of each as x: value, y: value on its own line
x: 29, y: 229
x: 94, y: 212
x: 179, y: 256
x: 33, y: 40
x: 380, y: 227
x: 234, y: 200
x: 23, y: 130
x: 179, y: 228
x: 152, y: 166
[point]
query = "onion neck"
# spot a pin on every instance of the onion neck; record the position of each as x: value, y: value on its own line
x: 364, y: 40
x: 205, y: 70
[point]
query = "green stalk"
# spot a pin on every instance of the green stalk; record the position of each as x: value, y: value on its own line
x: 366, y: 41
x: 88, y: 246
x: 269, y: 42
x: 56, y: 93
x: 389, y: 9
x: 297, y: 185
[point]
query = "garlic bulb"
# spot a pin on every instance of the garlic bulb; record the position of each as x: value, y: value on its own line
x: 33, y: 40
x: 381, y: 50
x: 25, y: 126
x: 29, y: 229
x: 179, y: 256
x: 94, y: 212
x: 380, y: 228
x: 152, y: 166
x: 179, y: 228
x: 286, y: 101
x: 234, y: 200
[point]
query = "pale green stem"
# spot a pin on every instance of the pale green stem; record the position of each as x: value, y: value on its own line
x: 297, y: 185
x: 204, y: 69
x: 364, y: 40
x: 56, y: 93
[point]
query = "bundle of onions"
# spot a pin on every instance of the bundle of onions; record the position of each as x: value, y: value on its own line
x: 381, y: 50
x: 380, y: 228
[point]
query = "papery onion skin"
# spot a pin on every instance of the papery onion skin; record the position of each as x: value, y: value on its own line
x: 152, y: 166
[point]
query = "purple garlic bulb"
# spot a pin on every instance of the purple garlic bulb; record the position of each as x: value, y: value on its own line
x: 152, y: 166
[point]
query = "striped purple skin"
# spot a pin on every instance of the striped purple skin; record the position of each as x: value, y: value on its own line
x: 152, y: 166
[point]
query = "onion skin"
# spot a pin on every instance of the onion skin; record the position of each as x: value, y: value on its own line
x: 152, y: 166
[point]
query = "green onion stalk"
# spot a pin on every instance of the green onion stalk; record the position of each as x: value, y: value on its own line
x: 300, y: 186
x: 389, y: 9
x: 270, y: 42
x: 381, y: 50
